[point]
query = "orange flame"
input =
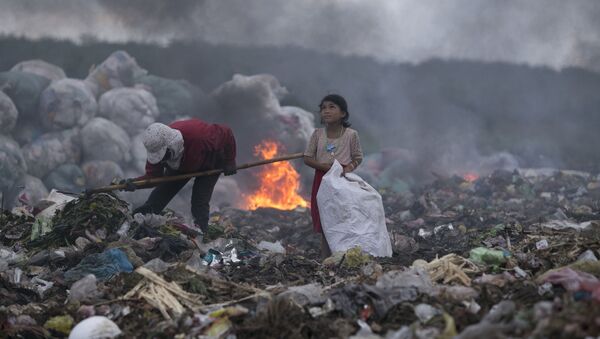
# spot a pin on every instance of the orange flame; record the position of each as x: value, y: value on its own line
x: 470, y: 176
x: 279, y: 182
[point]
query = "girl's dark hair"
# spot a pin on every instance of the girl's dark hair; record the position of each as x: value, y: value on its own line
x: 341, y: 103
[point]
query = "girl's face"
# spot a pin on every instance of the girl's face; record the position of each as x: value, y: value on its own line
x: 331, y: 113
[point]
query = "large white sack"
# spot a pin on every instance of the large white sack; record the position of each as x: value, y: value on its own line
x: 41, y: 68
x: 104, y: 140
x: 67, y: 103
x: 24, y: 89
x: 352, y: 214
x: 51, y: 150
x: 118, y: 70
x: 12, y: 164
x: 133, y: 109
x: 8, y: 114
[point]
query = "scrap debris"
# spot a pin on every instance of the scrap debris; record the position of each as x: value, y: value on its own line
x: 514, y: 253
x: 167, y: 297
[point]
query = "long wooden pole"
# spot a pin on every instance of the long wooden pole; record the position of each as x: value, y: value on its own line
x: 147, y: 183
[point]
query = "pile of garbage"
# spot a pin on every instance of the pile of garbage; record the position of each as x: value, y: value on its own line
x: 512, y: 254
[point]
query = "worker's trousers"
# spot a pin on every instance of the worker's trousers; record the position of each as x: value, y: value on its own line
x: 201, y: 194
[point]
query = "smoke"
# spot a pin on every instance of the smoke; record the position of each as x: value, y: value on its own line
x: 433, y: 86
x: 552, y: 33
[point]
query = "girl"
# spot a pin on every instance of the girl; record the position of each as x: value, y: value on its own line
x: 337, y: 141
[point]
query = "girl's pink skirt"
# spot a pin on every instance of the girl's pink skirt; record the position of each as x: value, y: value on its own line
x: 314, y: 208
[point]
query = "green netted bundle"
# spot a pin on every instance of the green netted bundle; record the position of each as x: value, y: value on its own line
x: 214, y: 231
x: 91, y: 215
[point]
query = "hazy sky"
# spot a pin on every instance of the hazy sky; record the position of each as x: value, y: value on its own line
x: 554, y: 33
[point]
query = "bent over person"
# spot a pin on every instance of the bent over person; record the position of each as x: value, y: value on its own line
x: 182, y: 147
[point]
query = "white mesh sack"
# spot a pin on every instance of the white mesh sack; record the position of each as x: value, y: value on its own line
x: 41, y: 68
x: 133, y: 109
x: 118, y: 70
x: 8, y: 114
x: 101, y: 172
x: 67, y: 103
x: 104, y: 140
x: 51, y: 150
x: 12, y: 164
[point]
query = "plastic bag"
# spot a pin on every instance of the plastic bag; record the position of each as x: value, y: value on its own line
x: 118, y: 70
x: 104, y: 140
x: 55, y: 201
x: 95, y: 327
x: 103, y: 265
x: 40, y: 68
x: 352, y: 214
x: 84, y: 289
x: 24, y: 89
x: 51, y: 150
x: 8, y: 114
x: 133, y: 109
x: 67, y: 103
x: 486, y: 256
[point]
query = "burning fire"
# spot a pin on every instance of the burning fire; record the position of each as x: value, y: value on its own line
x: 470, y: 176
x: 279, y: 182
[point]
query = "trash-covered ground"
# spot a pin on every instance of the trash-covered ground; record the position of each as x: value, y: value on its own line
x: 513, y: 254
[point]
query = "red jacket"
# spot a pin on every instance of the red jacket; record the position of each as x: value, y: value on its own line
x: 205, y: 147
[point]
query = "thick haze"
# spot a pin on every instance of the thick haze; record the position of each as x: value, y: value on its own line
x: 438, y: 87
x: 553, y: 33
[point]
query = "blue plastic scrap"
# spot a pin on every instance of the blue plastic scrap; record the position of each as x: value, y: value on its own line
x: 103, y: 265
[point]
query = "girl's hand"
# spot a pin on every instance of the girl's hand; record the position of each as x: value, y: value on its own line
x: 348, y: 168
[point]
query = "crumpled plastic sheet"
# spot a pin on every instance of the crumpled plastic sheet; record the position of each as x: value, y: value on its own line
x: 564, y: 224
x: 84, y: 289
x: 103, y: 265
x: 414, y: 277
x: 309, y: 294
x: 227, y: 256
x: 574, y: 281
